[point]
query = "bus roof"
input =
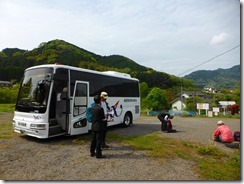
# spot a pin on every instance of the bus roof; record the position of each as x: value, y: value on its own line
x: 108, y: 73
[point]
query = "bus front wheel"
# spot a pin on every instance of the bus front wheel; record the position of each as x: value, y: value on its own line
x: 127, y: 120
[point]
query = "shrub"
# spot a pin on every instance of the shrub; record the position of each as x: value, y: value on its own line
x: 9, y: 95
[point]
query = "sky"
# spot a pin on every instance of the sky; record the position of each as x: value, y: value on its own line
x: 172, y: 36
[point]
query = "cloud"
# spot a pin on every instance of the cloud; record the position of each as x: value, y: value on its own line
x: 169, y: 36
x: 220, y: 39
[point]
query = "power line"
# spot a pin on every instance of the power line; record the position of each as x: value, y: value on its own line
x: 210, y: 59
x: 205, y: 62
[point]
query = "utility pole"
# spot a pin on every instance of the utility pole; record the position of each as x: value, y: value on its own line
x: 181, y: 99
x: 194, y: 98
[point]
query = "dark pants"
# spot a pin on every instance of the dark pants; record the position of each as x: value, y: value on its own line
x: 104, y: 134
x: 104, y: 137
x: 96, y: 143
x: 164, y: 126
x: 218, y: 139
x: 163, y: 123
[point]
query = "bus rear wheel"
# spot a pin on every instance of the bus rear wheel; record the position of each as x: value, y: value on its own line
x: 127, y: 120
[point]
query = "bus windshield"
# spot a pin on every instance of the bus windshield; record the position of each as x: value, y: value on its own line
x: 34, y: 90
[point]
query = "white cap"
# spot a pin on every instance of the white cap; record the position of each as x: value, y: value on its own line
x: 104, y: 95
x: 220, y: 123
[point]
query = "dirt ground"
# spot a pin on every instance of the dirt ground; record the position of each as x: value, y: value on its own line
x: 27, y: 158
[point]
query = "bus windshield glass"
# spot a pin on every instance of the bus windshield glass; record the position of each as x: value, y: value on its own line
x: 34, y: 90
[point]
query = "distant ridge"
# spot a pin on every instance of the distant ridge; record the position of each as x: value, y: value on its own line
x: 220, y: 78
x: 13, y: 62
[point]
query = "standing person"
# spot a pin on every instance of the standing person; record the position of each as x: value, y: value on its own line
x: 164, y: 117
x: 104, y: 104
x: 98, y: 121
x: 223, y: 133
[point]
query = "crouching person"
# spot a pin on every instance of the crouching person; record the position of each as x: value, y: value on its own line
x: 223, y: 133
x: 166, y: 124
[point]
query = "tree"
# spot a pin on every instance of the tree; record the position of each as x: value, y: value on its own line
x: 144, y: 89
x: 156, y: 100
x: 41, y: 44
x: 191, y: 103
x: 9, y: 95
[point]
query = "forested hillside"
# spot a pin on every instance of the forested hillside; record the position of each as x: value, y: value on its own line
x: 14, y: 61
x: 220, y: 78
x: 153, y: 84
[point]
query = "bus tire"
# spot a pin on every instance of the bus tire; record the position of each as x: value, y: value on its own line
x: 127, y: 120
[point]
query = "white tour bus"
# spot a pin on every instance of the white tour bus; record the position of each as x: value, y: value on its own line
x: 53, y: 99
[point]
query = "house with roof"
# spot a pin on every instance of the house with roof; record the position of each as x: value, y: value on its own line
x: 179, y: 103
x: 188, y: 94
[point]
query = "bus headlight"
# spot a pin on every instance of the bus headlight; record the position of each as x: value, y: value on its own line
x: 38, y: 126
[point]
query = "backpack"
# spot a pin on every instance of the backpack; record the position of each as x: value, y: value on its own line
x: 88, y: 114
x: 237, y: 135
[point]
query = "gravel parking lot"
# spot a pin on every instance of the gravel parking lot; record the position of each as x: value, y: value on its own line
x: 27, y: 158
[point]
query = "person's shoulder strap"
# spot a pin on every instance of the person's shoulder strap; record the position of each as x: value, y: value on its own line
x: 93, y: 104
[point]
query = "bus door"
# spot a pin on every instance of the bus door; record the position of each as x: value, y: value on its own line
x: 59, y: 108
x: 78, y: 121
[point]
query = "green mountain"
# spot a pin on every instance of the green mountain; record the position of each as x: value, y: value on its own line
x: 220, y: 78
x: 13, y: 62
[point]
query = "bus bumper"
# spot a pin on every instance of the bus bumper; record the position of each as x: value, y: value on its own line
x: 31, y: 132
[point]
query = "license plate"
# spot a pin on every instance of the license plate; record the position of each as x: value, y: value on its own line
x: 22, y: 124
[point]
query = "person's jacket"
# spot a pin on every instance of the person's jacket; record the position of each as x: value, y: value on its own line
x: 98, y: 118
x: 161, y: 116
x: 225, y: 133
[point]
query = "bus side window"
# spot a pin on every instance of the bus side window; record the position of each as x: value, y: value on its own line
x: 80, y: 99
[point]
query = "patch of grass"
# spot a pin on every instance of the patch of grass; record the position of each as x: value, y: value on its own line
x: 85, y: 138
x: 190, y: 145
x: 221, y: 170
x: 213, y: 164
x: 6, y: 126
x: 159, y: 147
x: 82, y: 139
x: 7, y: 108
x: 210, y: 151
x: 6, y: 130
x: 116, y: 137
x: 6, y: 135
x: 182, y: 155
